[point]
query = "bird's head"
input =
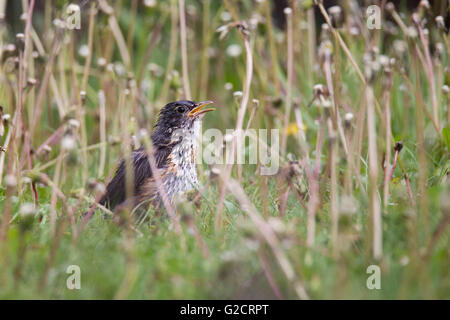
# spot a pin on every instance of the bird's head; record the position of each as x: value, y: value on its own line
x: 179, y: 116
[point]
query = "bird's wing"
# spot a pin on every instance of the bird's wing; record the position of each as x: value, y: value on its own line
x: 116, y: 189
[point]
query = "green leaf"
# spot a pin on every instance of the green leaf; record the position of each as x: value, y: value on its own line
x: 446, y: 134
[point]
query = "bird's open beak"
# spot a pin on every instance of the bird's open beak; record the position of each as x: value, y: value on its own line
x: 198, y: 109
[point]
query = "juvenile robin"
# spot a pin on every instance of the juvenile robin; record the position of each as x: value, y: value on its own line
x: 174, y: 141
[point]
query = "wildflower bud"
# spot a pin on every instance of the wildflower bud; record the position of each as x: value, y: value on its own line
x: 398, y: 146
x: 175, y: 81
x: 255, y: 103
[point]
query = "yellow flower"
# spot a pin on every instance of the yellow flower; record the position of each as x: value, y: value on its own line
x: 292, y: 129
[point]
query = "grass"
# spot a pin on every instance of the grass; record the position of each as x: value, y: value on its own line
x: 74, y: 102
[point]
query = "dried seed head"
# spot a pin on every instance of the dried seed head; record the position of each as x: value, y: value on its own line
x: 101, y: 62
x: 119, y: 69
x: 237, y: 94
x: 228, y: 86
x: 10, y: 47
x: 348, y: 205
x: 412, y: 32
x: 225, y: 16
x: 348, y: 118
x: 424, y: 4
x: 150, y: 3
x: 440, y: 23
x: 155, y: 70
x: 399, y: 47
x: 390, y: 7
x: 46, y: 149
x: 31, y: 81
x: 215, y: 172
x: 10, y: 180
x: 27, y: 209
x: 83, y: 51
x: 445, y: 89
x: 68, y: 142
x: 287, y: 11
x: 234, y: 50
x: 336, y: 15
x: 383, y: 60
x: 6, y: 118
x: 73, y: 123
x: 113, y: 140
x: 319, y: 89
x: 58, y: 23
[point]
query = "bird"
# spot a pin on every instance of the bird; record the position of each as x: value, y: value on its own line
x: 174, y: 145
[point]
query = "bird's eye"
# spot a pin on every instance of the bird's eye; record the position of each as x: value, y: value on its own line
x: 181, y: 109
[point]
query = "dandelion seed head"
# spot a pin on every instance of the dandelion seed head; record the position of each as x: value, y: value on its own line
x: 83, y: 51
x: 27, y: 209
x: 68, y: 142
x: 234, y: 50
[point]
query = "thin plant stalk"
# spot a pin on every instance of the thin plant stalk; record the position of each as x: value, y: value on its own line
x: 374, y: 205
x: 184, y: 58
